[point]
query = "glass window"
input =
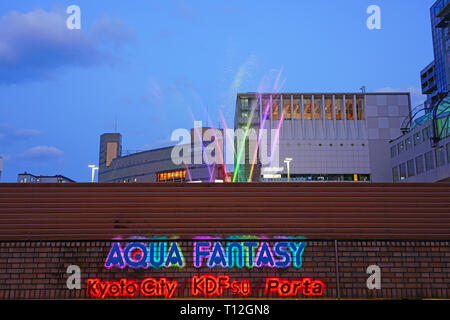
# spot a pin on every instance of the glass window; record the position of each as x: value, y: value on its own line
x: 408, y: 143
x: 307, y: 108
x: 287, y: 108
x: 393, y: 151
x: 429, y: 164
x: 448, y: 153
x: 417, y: 139
x: 410, y: 167
x: 317, y: 107
x: 244, y: 104
x: 401, y: 147
x: 275, y: 109
x: 266, y: 108
x: 328, y: 108
x: 425, y: 134
x: 395, y: 174
x: 349, y: 107
x: 440, y: 156
x: 403, y: 171
x: 296, y: 108
x: 338, y: 105
x: 360, y: 108
x: 419, y: 164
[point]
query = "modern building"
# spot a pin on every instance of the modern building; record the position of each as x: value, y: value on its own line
x: 157, y: 165
x: 422, y: 154
x: 435, y: 77
x: 31, y: 178
x: 328, y: 136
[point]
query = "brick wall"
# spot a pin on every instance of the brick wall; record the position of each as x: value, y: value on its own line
x: 409, y: 269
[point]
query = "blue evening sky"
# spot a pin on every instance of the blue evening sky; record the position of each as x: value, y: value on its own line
x: 157, y: 65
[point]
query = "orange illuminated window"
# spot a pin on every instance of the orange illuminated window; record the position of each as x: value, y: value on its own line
x: 349, y: 107
x: 275, y: 110
x: 360, y: 108
x: 175, y: 176
x: 338, y: 104
x: 307, y: 109
x: 328, y: 108
x: 287, y: 108
x: 296, y: 110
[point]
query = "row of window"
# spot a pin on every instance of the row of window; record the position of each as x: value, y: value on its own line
x: 422, y: 163
x: 314, y: 108
x: 172, y: 176
x: 320, y: 177
x: 331, y: 145
x: 411, y: 141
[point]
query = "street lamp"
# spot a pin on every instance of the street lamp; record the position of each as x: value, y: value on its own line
x: 93, y: 168
x: 287, y: 161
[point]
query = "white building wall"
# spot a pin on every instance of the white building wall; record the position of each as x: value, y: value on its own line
x: 344, y: 146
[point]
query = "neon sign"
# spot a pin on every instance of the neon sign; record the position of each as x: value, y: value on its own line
x: 286, y: 288
x: 201, y: 286
x: 209, y: 285
x: 149, y: 287
x: 138, y: 255
x: 250, y: 254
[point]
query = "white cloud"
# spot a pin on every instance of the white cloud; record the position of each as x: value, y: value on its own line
x: 9, y: 133
x: 36, y: 44
x: 41, y: 153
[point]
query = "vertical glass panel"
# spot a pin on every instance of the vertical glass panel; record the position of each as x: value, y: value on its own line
x: 318, y: 107
x: 360, y: 108
x: 401, y: 147
x: 426, y: 133
x: 417, y: 139
x: 419, y: 164
x: 403, y: 171
x: 266, y: 108
x: 307, y: 108
x: 254, y: 106
x: 448, y: 152
x: 338, y: 105
x: 410, y: 166
x: 440, y: 156
x: 429, y: 164
x: 328, y: 108
x: 296, y: 108
x: 349, y: 107
x: 408, y: 143
x: 275, y: 109
x: 395, y: 174
x: 287, y: 108
x: 244, y: 103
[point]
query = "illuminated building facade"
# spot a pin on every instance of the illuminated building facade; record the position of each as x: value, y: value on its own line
x: 328, y: 136
x: 435, y: 77
x: 154, y: 165
x: 422, y: 154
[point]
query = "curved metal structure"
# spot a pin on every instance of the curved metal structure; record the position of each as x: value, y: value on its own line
x: 439, y: 115
x: 441, y: 119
